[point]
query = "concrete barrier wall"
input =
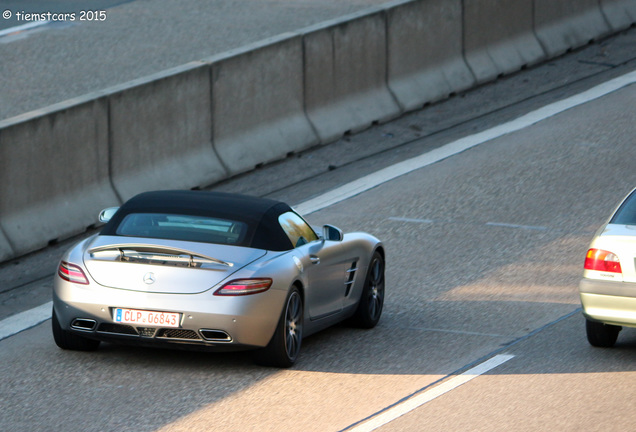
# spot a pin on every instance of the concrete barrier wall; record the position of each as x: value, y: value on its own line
x: 54, y: 173
x: 346, y: 75
x: 620, y: 14
x: 257, y: 99
x: 161, y: 132
x: 562, y: 25
x: 425, y: 52
x: 499, y: 37
x: 6, y: 251
x: 202, y: 122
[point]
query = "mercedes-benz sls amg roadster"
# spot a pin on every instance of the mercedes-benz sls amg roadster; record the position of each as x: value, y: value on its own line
x: 195, y: 269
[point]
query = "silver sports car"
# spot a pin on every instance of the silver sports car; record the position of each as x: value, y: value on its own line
x: 217, y: 271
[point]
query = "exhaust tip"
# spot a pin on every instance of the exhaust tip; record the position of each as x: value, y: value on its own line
x: 84, y: 324
x: 215, y: 335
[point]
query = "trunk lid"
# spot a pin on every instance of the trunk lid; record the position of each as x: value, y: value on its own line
x: 163, y: 266
x: 620, y: 240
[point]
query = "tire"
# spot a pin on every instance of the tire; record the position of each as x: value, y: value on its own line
x: 69, y: 341
x: 601, y: 335
x: 284, y: 348
x: 371, y: 301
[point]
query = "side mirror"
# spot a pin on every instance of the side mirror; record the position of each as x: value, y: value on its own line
x: 107, y: 214
x: 330, y: 232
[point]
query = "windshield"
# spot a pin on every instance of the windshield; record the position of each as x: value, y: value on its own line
x: 626, y: 213
x: 183, y: 227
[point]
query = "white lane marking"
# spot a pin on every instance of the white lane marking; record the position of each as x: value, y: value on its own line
x: 384, y: 175
x: 23, y: 27
x: 457, y: 332
x: 427, y: 396
x: 25, y: 320
x: 402, y: 219
x: 494, y: 224
x: 508, y: 225
x: 372, y: 180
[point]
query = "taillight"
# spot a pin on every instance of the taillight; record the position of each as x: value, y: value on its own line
x: 72, y: 273
x: 239, y: 287
x: 601, y: 260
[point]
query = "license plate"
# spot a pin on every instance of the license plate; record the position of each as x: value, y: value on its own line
x: 142, y: 317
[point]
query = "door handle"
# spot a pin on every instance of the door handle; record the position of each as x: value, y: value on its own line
x: 314, y: 259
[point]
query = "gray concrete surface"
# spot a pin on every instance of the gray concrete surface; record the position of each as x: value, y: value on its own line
x: 323, y: 168
x: 565, y: 24
x: 268, y: 100
x: 555, y: 382
x: 620, y: 14
x: 499, y: 37
x: 425, y: 52
x: 50, y: 165
x: 345, y: 71
x: 65, y: 60
x: 156, y: 123
x: 460, y: 287
x: 258, y: 103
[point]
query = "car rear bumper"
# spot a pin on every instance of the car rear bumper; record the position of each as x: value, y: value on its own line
x: 207, y: 322
x: 609, y: 302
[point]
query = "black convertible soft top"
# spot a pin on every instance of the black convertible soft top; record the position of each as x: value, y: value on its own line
x: 260, y: 214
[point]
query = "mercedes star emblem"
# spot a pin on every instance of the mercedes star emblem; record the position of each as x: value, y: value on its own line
x: 149, y: 278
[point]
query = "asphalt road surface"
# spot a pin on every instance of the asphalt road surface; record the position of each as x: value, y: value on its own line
x: 484, y: 253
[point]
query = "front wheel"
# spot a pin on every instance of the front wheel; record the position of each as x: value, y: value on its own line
x: 371, y: 301
x: 601, y: 335
x: 282, y: 351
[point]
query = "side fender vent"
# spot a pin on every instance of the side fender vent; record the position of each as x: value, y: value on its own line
x: 350, y: 277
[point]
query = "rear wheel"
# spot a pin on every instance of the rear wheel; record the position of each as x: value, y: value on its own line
x: 601, y: 335
x: 371, y: 302
x: 283, y: 349
x: 70, y: 341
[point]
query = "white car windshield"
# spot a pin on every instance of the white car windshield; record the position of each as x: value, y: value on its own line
x: 626, y: 214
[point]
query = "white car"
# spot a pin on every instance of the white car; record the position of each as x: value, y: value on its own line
x: 608, y: 286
